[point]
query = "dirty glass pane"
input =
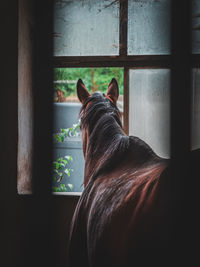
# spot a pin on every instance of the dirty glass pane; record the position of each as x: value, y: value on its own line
x: 149, y: 108
x: 149, y: 27
x: 196, y: 26
x: 195, y: 109
x: 86, y: 27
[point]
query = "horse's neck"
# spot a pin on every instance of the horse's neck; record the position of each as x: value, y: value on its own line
x: 101, y: 145
x: 108, y: 146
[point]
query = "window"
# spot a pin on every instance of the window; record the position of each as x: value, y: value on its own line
x: 129, y: 34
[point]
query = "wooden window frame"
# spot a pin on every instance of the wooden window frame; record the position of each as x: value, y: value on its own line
x: 122, y: 60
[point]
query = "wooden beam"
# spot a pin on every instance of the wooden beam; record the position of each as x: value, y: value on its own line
x: 123, y: 27
x: 180, y: 127
x: 126, y: 100
x: 112, y: 61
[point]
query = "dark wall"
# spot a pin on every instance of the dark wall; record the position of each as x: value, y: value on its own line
x: 34, y: 228
x: 8, y: 139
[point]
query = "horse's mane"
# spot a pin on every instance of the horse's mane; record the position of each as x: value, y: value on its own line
x: 94, y: 107
x: 106, y: 136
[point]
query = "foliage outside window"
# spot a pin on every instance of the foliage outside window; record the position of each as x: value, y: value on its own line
x: 96, y: 79
x: 61, y: 165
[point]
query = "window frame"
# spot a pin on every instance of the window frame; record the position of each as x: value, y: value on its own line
x: 122, y: 60
x: 180, y: 61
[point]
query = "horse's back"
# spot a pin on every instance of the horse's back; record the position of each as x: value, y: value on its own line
x: 123, y: 217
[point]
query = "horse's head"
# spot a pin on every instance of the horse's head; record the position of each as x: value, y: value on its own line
x: 94, y: 106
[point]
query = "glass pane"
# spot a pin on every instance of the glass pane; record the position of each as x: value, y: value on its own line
x: 86, y: 28
x: 68, y: 176
x: 148, y: 27
x: 149, y: 108
x: 196, y: 109
x: 196, y: 26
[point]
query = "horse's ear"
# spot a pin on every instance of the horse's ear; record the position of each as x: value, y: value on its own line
x: 113, y: 90
x: 82, y: 91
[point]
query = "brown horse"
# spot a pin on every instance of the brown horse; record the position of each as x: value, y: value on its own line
x: 122, y: 216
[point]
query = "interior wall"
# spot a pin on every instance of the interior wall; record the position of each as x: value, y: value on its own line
x: 34, y: 228
x: 8, y: 132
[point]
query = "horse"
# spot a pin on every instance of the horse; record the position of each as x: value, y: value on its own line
x: 123, y: 216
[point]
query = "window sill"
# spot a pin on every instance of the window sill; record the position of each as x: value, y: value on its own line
x: 67, y: 194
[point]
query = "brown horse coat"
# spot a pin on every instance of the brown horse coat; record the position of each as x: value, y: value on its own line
x: 123, y: 216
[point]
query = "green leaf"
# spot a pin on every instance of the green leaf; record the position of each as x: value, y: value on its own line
x: 69, y: 158
x: 63, y: 188
x: 67, y: 172
x: 65, y: 161
x: 70, y: 186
